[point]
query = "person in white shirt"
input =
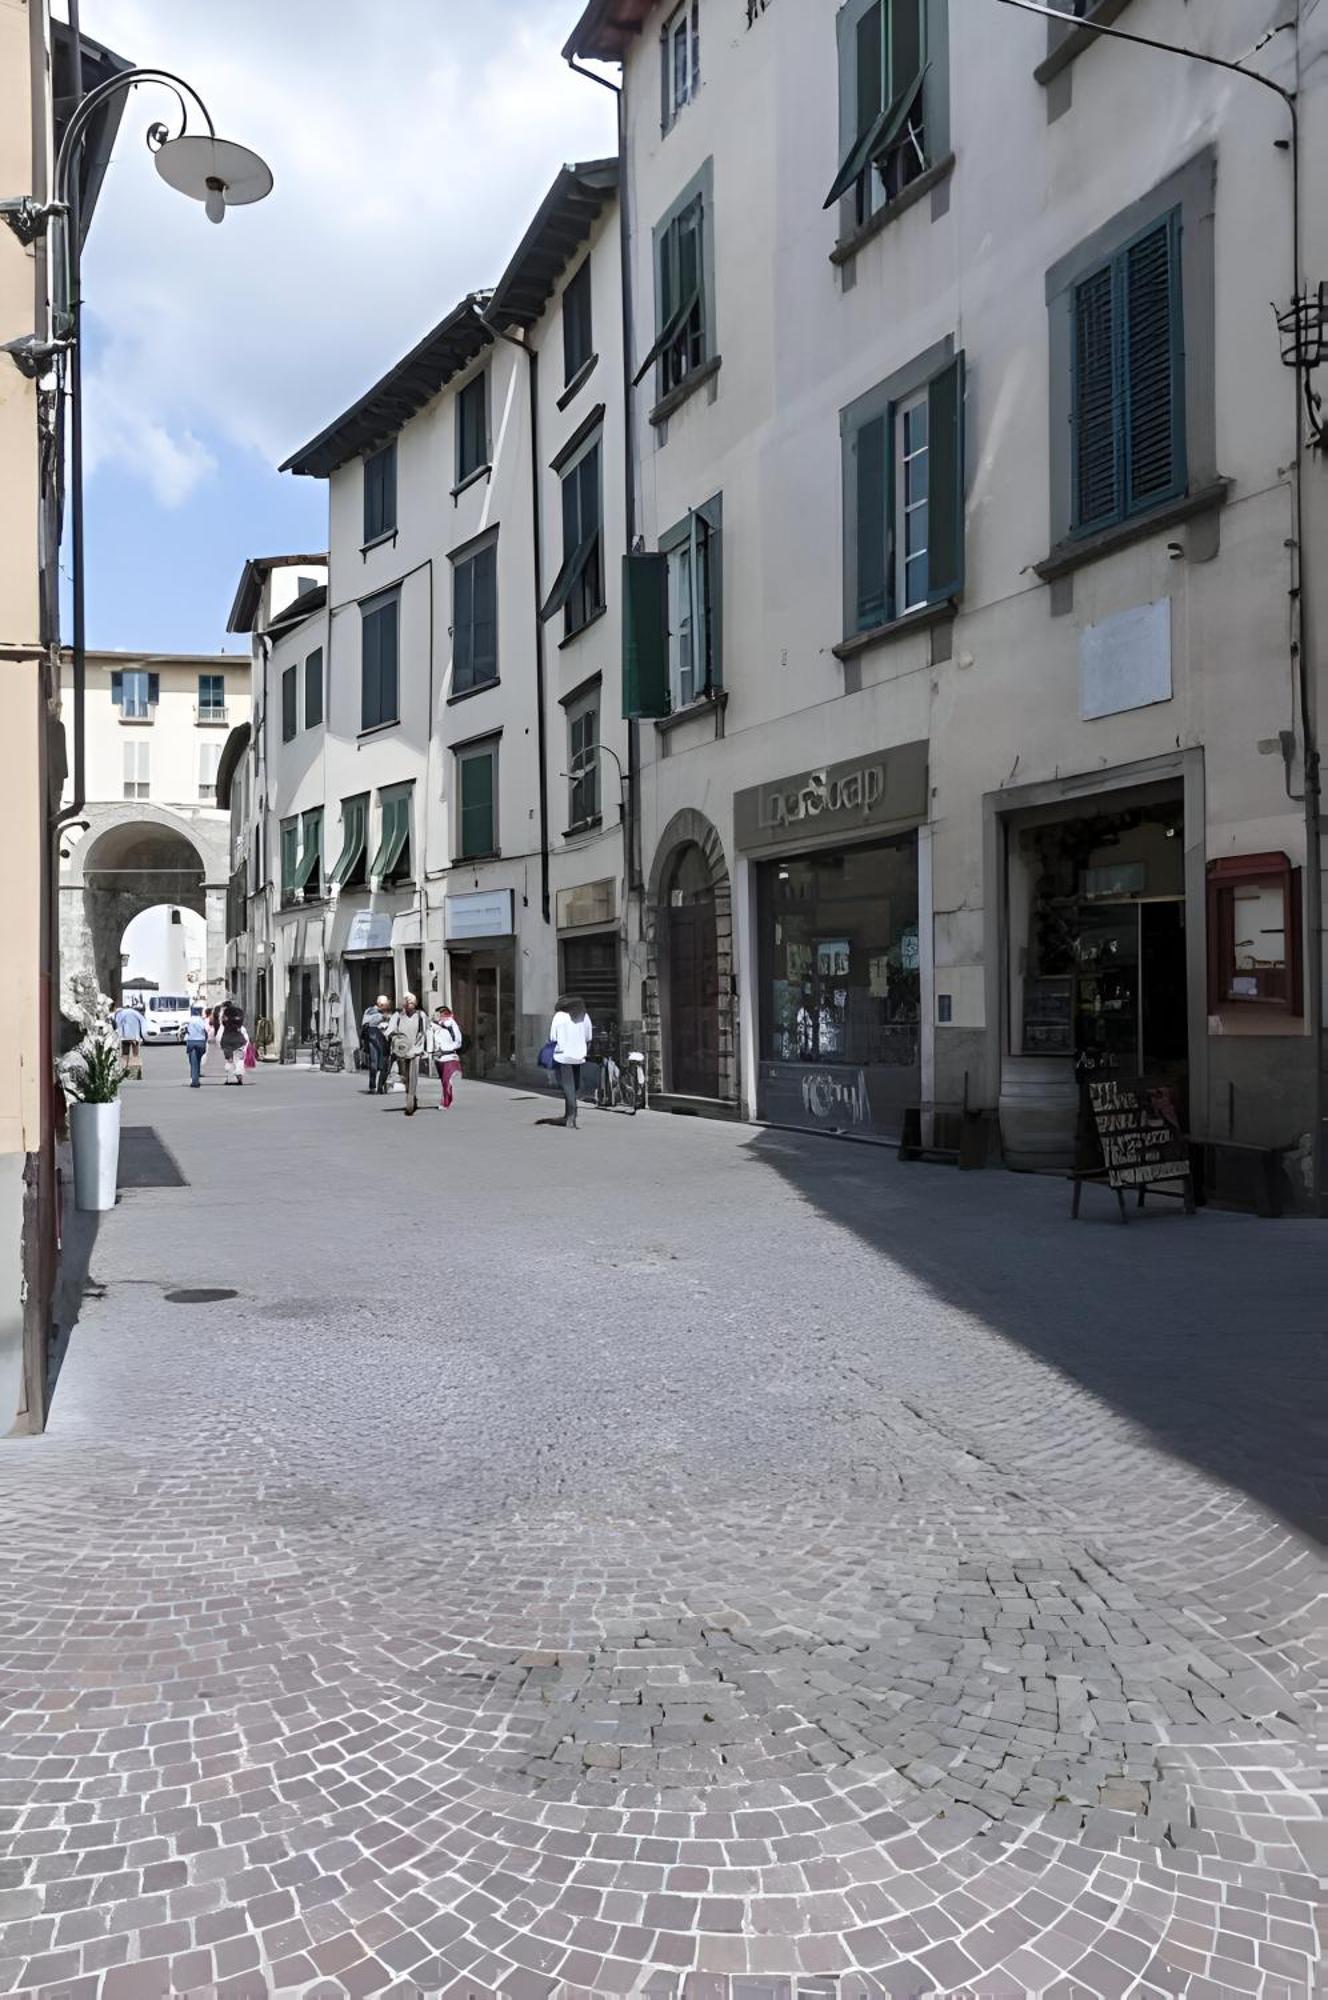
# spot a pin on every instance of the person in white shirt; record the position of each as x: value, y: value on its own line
x: 570, y: 1034
x: 445, y: 1042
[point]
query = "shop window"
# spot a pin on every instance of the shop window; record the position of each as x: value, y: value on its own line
x: 1254, y: 933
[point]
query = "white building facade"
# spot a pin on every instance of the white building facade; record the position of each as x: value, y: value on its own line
x: 976, y: 756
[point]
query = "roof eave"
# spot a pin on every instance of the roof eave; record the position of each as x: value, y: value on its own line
x: 607, y: 30
x: 562, y: 223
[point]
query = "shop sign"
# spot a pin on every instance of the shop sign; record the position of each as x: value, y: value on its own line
x: 486, y: 914
x: 589, y: 903
x: 370, y: 930
x: 876, y: 790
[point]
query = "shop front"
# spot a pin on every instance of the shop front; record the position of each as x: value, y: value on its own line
x: 834, y: 854
x: 589, y: 953
x: 481, y: 954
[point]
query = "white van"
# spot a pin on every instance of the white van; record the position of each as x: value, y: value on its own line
x: 165, y: 1017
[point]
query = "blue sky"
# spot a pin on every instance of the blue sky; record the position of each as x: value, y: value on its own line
x: 212, y: 352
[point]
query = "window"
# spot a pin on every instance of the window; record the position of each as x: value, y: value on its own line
x: 583, y: 761
x: 578, y: 588
x: 379, y: 639
x: 578, y: 335
x: 136, y: 694
x: 290, y: 859
x: 477, y: 802
x: 1127, y: 411
x: 1254, y: 933
x: 212, y: 697
x: 883, y: 60
x: 904, y: 494
x: 391, y: 862
x: 472, y: 422
x: 380, y: 493
x: 290, y: 695
x: 309, y: 879
x: 693, y: 551
x: 475, y: 619
x: 680, y: 297
x: 313, y: 689
x: 209, y: 757
x: 136, y: 784
x: 680, y: 60
x: 349, y: 872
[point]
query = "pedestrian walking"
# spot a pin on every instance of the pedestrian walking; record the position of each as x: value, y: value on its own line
x: 195, y: 1047
x: 410, y: 1044
x: 570, y: 1034
x: 129, y: 1027
x: 234, y: 1039
x: 447, y: 1042
x: 375, y: 1027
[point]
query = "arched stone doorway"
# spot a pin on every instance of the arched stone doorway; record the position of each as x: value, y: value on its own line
x: 129, y: 860
x: 689, y: 989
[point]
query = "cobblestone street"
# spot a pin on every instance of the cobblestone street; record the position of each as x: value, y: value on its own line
x: 590, y: 1559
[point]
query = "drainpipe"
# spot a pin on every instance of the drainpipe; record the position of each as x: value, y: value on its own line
x: 77, y: 594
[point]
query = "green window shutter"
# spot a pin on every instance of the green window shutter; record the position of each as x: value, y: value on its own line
x: 388, y: 656
x: 290, y: 854
x: 869, y: 57
x: 871, y: 448
x: 905, y: 51
x: 1095, y: 413
x: 477, y: 789
x: 945, y: 527
x: 645, y: 636
x: 1152, y: 368
x: 710, y: 556
x: 289, y: 692
x: 371, y: 675
x: 484, y: 639
x: 463, y: 624
x: 313, y: 689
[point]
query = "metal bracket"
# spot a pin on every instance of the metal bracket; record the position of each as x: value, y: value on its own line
x: 32, y: 357
x: 28, y: 218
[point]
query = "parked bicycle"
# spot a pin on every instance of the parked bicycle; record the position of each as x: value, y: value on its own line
x: 622, y: 1082
x: 326, y: 1053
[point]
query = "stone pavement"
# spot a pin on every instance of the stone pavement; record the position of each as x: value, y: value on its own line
x: 666, y: 1552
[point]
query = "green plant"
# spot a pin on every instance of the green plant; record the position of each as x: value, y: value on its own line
x: 95, y: 1073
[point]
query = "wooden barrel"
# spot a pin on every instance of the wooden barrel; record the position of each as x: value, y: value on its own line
x: 1039, y: 1109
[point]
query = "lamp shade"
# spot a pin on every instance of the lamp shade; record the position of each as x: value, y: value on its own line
x: 216, y: 172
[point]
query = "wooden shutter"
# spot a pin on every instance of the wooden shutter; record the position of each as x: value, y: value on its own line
x: 477, y: 830
x: 872, y: 483
x: 313, y: 688
x: 463, y: 626
x: 870, y: 70
x: 388, y: 650
x: 484, y: 616
x: 1096, y: 416
x: 945, y: 526
x: 645, y: 639
x: 371, y: 670
x: 289, y: 704
x: 1151, y: 367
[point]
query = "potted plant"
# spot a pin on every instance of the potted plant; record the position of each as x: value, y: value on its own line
x: 91, y: 1076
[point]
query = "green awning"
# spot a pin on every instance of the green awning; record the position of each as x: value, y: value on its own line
x: 311, y: 856
x: 352, y: 849
x: 396, y: 829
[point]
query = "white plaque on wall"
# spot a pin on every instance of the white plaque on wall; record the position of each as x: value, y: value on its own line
x: 1125, y: 662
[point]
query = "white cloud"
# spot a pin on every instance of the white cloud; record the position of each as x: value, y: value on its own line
x: 410, y: 140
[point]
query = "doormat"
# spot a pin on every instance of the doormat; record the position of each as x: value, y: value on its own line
x: 145, y: 1162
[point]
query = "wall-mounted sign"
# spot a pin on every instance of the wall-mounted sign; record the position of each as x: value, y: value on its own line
x: 588, y: 903
x: 883, y: 788
x: 1125, y: 661
x: 370, y: 930
x: 487, y: 913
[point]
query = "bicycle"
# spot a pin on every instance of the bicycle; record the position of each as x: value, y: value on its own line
x: 622, y: 1085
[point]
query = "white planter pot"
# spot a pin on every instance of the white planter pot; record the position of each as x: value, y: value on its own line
x: 95, y: 1131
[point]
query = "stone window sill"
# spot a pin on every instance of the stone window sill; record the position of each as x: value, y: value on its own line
x: 471, y: 479
x: 378, y: 729
x: 593, y: 619
x: 848, y: 247
x: 584, y: 826
x: 377, y: 541
x: 468, y: 694
x: 667, y: 405
x: 897, y: 628
x: 706, y: 704
x: 1070, y: 555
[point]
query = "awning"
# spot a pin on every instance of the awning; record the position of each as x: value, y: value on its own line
x: 569, y: 575
x: 396, y: 830
x: 352, y: 849
x: 311, y: 855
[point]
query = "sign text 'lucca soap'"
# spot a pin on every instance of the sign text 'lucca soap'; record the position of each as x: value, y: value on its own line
x: 884, y: 788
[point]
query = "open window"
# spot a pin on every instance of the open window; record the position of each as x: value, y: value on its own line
x: 1254, y: 933
x: 583, y: 760
x: 695, y: 624
x: 904, y: 496
x: 309, y: 876
x: 349, y: 872
x: 578, y: 588
x: 883, y: 119
x: 682, y: 309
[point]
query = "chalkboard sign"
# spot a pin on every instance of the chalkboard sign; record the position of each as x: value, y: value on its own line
x: 1139, y: 1133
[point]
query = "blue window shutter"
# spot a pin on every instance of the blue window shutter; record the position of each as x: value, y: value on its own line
x: 1152, y: 368
x: 871, y: 448
x: 945, y: 527
x: 1096, y: 408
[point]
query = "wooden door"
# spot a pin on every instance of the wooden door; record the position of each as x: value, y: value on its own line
x: 694, y: 998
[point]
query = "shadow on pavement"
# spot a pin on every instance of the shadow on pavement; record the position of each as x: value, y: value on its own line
x: 78, y: 1238
x: 1207, y: 1331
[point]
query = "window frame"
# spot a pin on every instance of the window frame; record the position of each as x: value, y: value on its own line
x: 472, y: 394
x: 209, y: 708
x: 671, y: 325
x: 290, y: 702
x: 579, y: 589
x: 137, y: 752
x: 380, y: 493
x: 372, y: 608
x: 584, y: 804
x: 685, y: 18
x: 578, y: 323
x: 311, y: 680
x: 209, y: 751
x: 1224, y: 878
x: 355, y: 873
x: 464, y: 754
x: 311, y: 860
x: 466, y: 679
x: 138, y: 710
x: 288, y: 832
x: 703, y: 526
x: 932, y: 92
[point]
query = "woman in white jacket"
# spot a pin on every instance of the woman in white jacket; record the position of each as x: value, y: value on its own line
x: 570, y: 1034
x: 445, y: 1043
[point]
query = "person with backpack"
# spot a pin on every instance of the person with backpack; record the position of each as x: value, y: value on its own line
x: 447, y: 1043
x: 233, y: 1038
x: 195, y: 1047
x: 409, y: 1042
x: 568, y: 1046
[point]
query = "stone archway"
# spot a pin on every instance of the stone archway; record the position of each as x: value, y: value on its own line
x: 690, y: 1012
x: 132, y: 858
